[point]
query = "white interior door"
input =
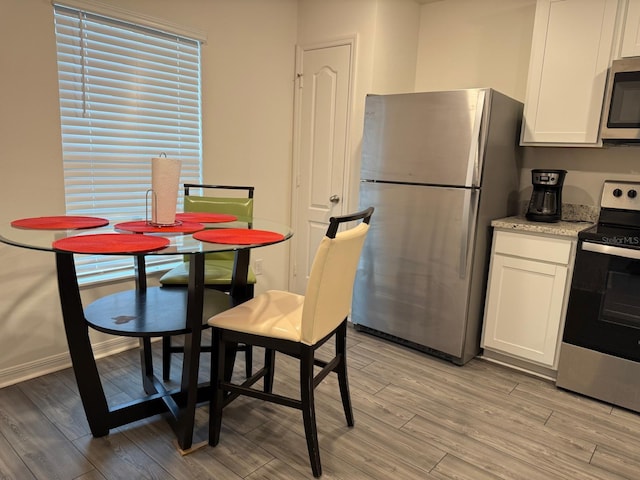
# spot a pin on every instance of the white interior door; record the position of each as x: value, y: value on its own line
x: 321, y: 149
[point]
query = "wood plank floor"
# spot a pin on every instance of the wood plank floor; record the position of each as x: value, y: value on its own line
x: 417, y: 417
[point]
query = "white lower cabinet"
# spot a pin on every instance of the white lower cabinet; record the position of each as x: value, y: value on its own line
x: 527, y: 291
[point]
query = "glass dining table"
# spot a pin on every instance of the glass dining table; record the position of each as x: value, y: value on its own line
x: 144, y: 312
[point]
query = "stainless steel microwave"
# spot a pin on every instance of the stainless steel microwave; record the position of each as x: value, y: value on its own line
x: 621, y: 109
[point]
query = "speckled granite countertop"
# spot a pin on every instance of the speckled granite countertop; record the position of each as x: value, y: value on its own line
x: 562, y: 228
x: 575, y: 218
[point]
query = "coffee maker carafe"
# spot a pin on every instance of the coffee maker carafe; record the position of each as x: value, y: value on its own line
x: 546, y: 199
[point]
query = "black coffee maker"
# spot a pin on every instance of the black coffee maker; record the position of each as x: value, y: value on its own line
x: 546, y: 199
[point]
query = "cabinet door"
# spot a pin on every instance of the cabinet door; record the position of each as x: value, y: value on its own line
x: 524, y: 308
x: 570, y: 54
x: 631, y: 34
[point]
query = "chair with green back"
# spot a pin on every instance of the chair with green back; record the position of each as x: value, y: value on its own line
x: 218, y: 266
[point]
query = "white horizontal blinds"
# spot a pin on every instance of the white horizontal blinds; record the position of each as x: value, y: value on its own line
x: 127, y: 94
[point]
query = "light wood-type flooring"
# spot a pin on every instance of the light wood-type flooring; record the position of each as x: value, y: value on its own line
x: 416, y: 417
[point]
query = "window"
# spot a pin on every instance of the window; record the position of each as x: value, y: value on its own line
x: 128, y: 93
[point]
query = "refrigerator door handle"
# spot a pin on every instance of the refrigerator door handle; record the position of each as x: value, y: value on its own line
x: 469, y: 215
x: 473, y: 166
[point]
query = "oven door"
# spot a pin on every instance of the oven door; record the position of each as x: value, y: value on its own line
x: 604, y: 304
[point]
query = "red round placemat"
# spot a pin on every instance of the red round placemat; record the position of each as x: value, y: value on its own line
x: 144, y: 227
x: 111, y: 243
x: 205, y: 217
x: 60, y: 222
x: 238, y: 236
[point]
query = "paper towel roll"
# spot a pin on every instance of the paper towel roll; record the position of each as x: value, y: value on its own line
x: 165, y: 180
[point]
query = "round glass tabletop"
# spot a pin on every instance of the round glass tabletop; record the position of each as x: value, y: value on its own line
x: 179, y: 243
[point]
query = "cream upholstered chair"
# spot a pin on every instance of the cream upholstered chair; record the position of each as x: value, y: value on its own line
x: 297, y: 326
x: 233, y: 200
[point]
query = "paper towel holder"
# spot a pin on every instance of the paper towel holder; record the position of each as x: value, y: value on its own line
x: 152, y: 221
x: 151, y: 218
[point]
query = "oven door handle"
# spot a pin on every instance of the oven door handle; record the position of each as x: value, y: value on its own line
x: 611, y: 250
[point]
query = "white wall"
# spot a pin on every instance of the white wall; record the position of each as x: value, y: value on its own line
x: 386, y: 33
x: 487, y: 43
x: 587, y: 169
x: 475, y: 43
x: 31, y: 179
x: 248, y: 65
x: 247, y: 78
x: 395, y: 40
x: 248, y: 70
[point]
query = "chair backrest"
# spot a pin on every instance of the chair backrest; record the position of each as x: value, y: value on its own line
x: 327, y: 299
x: 226, y: 200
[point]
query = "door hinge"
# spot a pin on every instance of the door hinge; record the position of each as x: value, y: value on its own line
x: 300, y: 78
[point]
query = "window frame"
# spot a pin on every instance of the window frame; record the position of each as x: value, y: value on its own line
x: 105, y: 164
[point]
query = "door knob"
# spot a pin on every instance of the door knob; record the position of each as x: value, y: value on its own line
x: 334, y: 198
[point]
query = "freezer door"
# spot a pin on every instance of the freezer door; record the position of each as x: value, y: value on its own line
x: 429, y: 138
x: 414, y: 275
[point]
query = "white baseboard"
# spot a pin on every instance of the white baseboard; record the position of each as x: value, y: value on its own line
x: 36, y: 368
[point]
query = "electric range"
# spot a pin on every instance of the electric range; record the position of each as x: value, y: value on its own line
x: 600, y: 352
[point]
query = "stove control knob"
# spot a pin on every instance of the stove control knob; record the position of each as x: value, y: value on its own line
x: 617, y: 193
x: 632, y: 194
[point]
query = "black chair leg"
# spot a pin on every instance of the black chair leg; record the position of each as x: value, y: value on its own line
x: 341, y: 370
x: 308, y: 410
x: 217, y: 392
x: 269, y: 366
x: 166, y: 358
x: 248, y: 360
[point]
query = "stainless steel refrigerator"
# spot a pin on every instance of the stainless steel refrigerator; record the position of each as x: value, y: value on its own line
x: 437, y: 167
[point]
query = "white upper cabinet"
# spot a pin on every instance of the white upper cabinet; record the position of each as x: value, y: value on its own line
x: 571, y: 51
x: 631, y: 33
